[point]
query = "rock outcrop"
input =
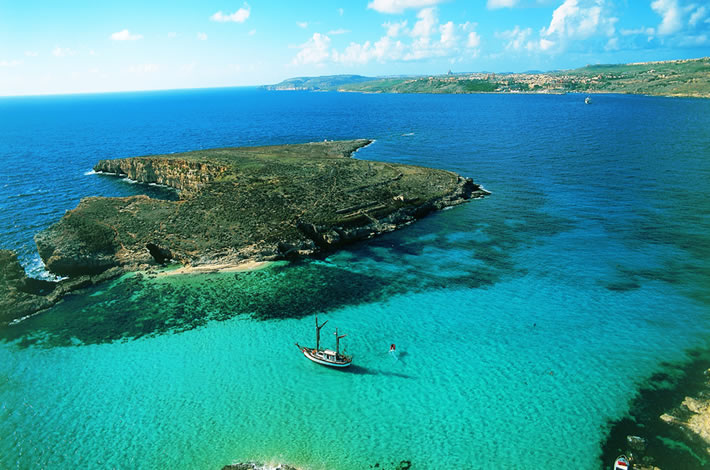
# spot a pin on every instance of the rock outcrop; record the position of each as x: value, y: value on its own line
x: 21, y: 296
x: 260, y: 203
x: 257, y: 466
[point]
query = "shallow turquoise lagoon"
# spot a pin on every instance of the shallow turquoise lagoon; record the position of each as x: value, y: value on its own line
x: 524, y: 322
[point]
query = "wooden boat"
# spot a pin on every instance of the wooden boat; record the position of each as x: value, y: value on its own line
x: 622, y: 463
x: 326, y: 357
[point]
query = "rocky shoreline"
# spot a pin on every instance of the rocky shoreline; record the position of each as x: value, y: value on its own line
x: 668, y: 424
x: 235, y: 205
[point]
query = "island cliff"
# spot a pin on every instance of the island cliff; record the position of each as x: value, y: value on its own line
x: 239, y: 204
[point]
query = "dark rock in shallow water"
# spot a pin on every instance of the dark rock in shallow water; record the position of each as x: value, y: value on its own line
x: 256, y: 466
x: 636, y: 443
x: 259, y: 203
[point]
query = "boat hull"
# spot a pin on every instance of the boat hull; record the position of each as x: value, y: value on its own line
x: 311, y: 354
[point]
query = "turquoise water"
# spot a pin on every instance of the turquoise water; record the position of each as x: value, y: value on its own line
x: 523, y: 321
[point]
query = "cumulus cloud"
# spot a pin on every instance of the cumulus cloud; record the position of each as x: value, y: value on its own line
x: 495, y: 4
x: 395, y: 29
x: 126, y: 35
x: 474, y: 40
x: 302, y: 24
x: 427, y: 38
x: 580, y: 19
x: 202, y: 36
x: 425, y: 26
x: 398, y: 6
x: 515, y: 39
x: 384, y: 49
x: 239, y: 16
x: 335, y: 32
x: 671, y: 15
x: 9, y: 63
x: 314, y: 51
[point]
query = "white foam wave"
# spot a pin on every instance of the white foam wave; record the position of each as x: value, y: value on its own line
x: 90, y: 172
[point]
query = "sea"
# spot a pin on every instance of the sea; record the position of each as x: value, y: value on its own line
x: 524, y: 323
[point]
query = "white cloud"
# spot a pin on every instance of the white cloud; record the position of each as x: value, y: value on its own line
x: 31, y: 53
x: 641, y: 30
x: 302, y: 24
x: 172, y: 34
x: 395, y: 29
x: 62, y: 51
x: 252, y: 32
x: 9, y: 63
x: 671, y: 16
x: 516, y: 38
x: 126, y: 35
x: 425, y: 26
x: 494, y: 4
x: 398, y: 6
x: 383, y: 50
x: 474, y: 40
x: 612, y: 44
x: 580, y: 19
x: 698, y: 15
x: 336, y: 32
x: 545, y: 44
x: 426, y: 39
x: 314, y: 51
x: 448, y: 35
x: 239, y: 16
x: 202, y: 36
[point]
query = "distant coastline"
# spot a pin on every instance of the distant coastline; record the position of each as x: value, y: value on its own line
x: 675, y: 78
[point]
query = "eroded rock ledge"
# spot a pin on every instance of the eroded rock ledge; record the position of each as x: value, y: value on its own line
x: 255, y: 203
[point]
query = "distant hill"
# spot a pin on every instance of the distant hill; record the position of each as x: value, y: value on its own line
x: 328, y: 82
x: 689, y: 77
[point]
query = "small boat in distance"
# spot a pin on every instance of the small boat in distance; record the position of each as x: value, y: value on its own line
x: 588, y: 100
x: 326, y: 357
x: 622, y: 463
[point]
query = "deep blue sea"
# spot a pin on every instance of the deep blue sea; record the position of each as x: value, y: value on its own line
x: 524, y: 321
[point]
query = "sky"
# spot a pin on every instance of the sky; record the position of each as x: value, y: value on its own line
x: 73, y: 46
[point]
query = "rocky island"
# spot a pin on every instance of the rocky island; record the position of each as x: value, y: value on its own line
x: 235, y: 205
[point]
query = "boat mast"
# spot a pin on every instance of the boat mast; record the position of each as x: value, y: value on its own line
x: 337, y: 342
x: 318, y: 332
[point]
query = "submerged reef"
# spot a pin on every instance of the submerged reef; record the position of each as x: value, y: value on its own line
x: 239, y: 204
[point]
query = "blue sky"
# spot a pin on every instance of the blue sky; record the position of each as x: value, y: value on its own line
x: 92, y: 46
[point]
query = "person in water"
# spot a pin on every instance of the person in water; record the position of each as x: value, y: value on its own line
x: 392, y: 348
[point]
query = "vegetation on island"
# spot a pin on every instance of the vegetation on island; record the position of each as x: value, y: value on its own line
x: 669, y: 78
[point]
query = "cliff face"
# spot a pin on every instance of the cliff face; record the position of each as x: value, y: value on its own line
x: 260, y: 203
x: 180, y: 174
